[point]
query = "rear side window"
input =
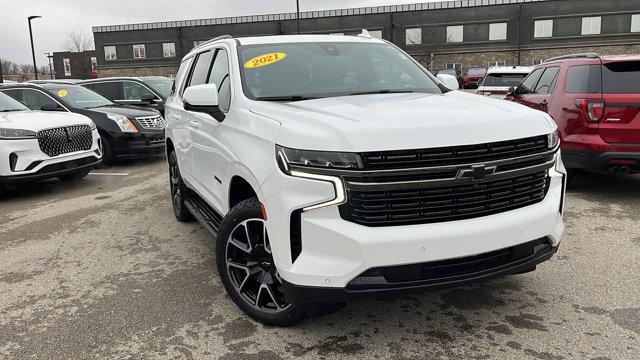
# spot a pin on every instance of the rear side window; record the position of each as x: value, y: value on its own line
x: 201, y: 69
x: 621, y: 77
x: 548, y: 80
x: 508, y: 80
x: 111, y: 90
x: 583, y: 79
x: 529, y: 84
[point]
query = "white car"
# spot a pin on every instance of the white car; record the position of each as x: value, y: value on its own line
x: 37, y: 145
x: 332, y: 167
x: 499, y: 79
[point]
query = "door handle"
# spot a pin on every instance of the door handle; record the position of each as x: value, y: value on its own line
x: 195, y: 124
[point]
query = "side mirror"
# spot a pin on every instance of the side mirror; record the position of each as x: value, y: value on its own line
x: 204, y: 99
x: 512, y: 91
x: 51, y: 107
x: 149, y: 98
x: 449, y: 81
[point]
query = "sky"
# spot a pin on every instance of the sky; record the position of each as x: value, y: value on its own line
x: 62, y: 16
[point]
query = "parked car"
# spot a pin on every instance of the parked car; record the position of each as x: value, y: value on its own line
x: 473, y: 77
x: 127, y: 132
x: 455, y: 73
x: 595, y: 100
x: 499, y: 79
x: 325, y: 176
x: 36, y: 146
x: 150, y: 91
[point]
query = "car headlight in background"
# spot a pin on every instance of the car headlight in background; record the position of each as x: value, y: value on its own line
x: 16, y: 134
x: 318, y: 159
x: 554, y: 140
x: 124, y: 123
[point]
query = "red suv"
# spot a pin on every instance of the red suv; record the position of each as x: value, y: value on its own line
x: 595, y: 100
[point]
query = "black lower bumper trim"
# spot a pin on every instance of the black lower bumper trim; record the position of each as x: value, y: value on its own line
x: 306, y: 294
x: 599, y: 161
x: 53, y: 170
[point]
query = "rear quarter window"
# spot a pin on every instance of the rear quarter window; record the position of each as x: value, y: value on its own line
x: 583, y: 79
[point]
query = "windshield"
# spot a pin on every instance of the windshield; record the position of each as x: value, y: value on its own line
x: 299, y: 71
x: 506, y: 80
x: 477, y: 71
x: 78, y: 97
x: 7, y: 103
x: 161, y: 86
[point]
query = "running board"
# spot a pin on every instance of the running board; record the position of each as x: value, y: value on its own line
x: 205, y: 214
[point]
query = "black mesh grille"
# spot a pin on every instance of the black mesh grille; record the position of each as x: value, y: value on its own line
x: 454, y: 155
x: 447, y: 203
x: 54, y: 142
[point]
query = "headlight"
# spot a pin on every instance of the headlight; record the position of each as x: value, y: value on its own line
x: 553, y: 140
x: 16, y: 134
x: 317, y: 159
x: 124, y: 123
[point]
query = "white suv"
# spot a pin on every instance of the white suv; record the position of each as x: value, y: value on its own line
x: 333, y: 167
x: 37, y: 145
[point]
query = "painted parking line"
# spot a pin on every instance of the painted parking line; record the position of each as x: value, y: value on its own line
x: 108, y: 174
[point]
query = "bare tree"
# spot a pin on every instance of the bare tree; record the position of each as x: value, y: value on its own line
x: 78, y: 41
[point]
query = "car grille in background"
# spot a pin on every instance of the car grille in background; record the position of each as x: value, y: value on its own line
x: 54, y: 142
x: 446, y: 203
x: 453, y: 155
x: 152, y: 122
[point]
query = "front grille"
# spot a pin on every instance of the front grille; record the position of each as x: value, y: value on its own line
x: 67, y: 165
x: 446, y: 203
x: 54, y: 142
x: 152, y: 122
x: 451, y: 269
x: 454, y: 155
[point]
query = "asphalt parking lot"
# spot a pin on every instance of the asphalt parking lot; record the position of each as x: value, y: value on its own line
x: 102, y: 270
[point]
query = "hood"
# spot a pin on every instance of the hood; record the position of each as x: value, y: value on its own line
x: 401, y: 121
x: 132, y: 111
x: 40, y: 120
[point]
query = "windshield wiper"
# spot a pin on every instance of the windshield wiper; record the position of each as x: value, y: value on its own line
x: 285, y: 98
x: 382, y: 91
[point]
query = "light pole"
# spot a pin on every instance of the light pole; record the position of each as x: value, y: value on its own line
x: 50, y: 58
x: 298, y: 14
x: 33, y: 53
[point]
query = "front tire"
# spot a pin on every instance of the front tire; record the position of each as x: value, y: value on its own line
x: 179, y: 190
x: 108, y: 158
x: 246, y: 267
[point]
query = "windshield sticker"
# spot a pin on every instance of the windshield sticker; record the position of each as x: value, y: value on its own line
x: 264, y: 60
x: 62, y: 93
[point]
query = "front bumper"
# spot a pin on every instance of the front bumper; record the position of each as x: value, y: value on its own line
x: 139, y: 145
x: 336, y: 251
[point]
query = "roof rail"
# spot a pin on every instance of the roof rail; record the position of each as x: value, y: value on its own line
x: 213, y: 40
x: 574, y: 56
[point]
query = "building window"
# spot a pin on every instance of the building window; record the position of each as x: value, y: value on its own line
x: 635, y: 23
x: 455, y: 34
x: 110, y: 53
x: 413, y: 36
x: 543, y: 28
x: 498, y: 31
x: 376, y: 34
x: 496, y: 63
x: 457, y: 66
x: 591, y: 25
x: 169, y: 50
x: 139, y: 52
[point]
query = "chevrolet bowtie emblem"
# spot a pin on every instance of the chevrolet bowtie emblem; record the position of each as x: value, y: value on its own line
x: 477, y: 172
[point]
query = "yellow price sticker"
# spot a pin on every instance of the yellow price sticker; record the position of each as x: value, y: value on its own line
x: 62, y: 93
x: 264, y: 60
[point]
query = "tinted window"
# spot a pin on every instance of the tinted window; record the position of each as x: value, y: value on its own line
x: 201, y: 69
x: 78, y: 97
x: 16, y: 94
x: 35, y: 99
x: 161, y: 85
x: 180, y: 76
x: 220, y: 77
x: 621, y: 77
x: 529, y: 84
x: 111, y: 90
x: 135, y: 91
x: 8, y: 103
x: 548, y: 80
x: 506, y: 80
x: 327, y: 69
x: 583, y: 79
x: 476, y: 71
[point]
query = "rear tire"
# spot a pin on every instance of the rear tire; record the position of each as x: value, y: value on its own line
x: 76, y: 176
x: 179, y: 190
x: 246, y: 267
x: 3, y: 190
